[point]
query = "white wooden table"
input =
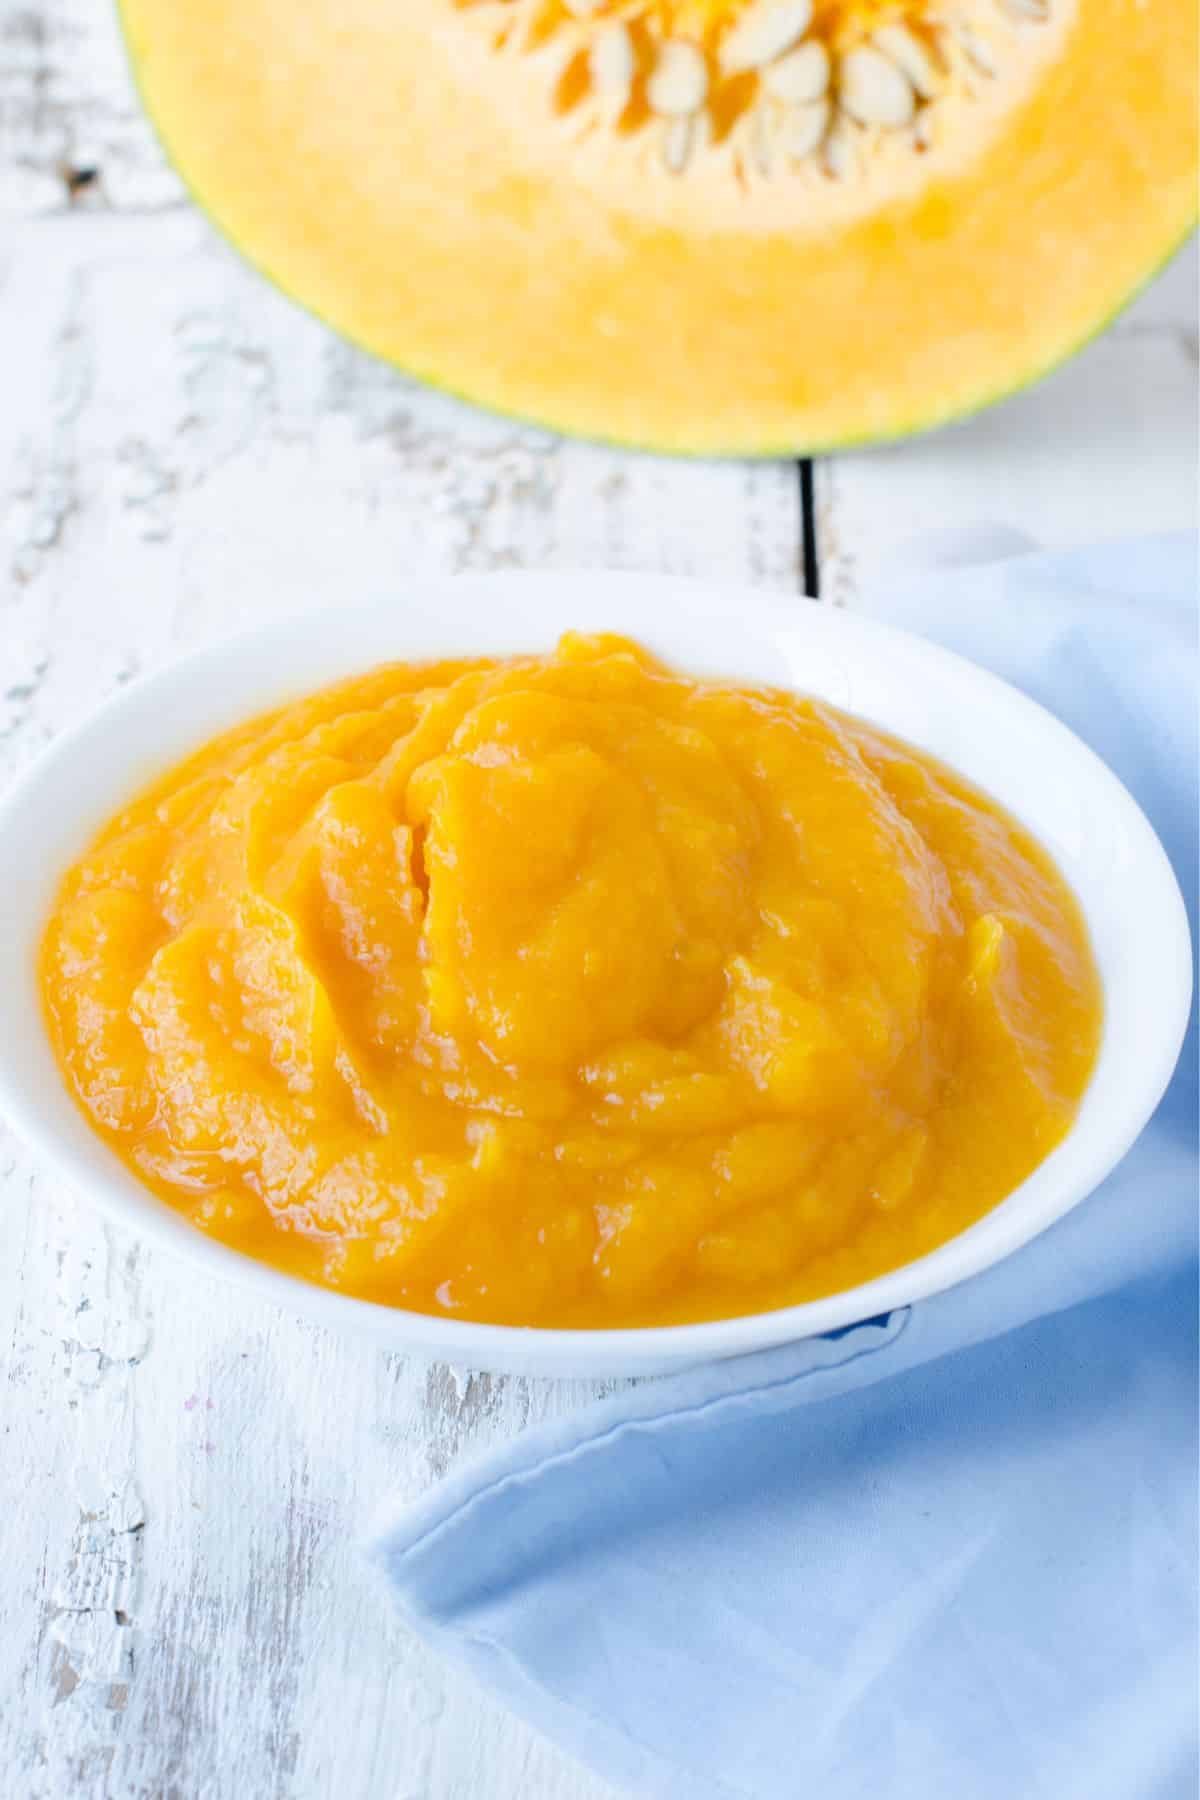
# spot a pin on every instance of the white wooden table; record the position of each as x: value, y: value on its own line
x: 184, y: 1471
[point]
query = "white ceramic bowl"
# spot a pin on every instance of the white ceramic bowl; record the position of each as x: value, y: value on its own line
x: 996, y: 737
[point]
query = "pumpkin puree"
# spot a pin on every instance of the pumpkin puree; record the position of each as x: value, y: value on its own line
x: 565, y: 990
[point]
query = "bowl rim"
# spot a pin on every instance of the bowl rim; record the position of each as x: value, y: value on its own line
x: 668, y: 613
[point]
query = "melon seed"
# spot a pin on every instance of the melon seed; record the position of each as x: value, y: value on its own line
x: 800, y: 76
x: 873, y: 90
x: 682, y: 136
x: 806, y: 126
x: 765, y: 30
x: 759, y: 132
x: 679, y: 83
x: 838, y: 155
x: 1037, y: 10
x: 977, y: 52
x: 677, y: 143
x: 905, y: 49
x: 583, y: 9
x: 611, y: 60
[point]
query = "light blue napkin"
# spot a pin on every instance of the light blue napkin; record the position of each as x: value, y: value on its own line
x: 863, y: 1566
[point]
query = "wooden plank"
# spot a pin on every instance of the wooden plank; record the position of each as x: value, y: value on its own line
x: 67, y: 108
x: 186, y: 1472
x: 1105, y: 447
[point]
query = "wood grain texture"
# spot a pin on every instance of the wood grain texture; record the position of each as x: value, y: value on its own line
x: 185, y: 1472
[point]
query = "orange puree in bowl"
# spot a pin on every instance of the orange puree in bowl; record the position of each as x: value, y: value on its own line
x: 568, y: 991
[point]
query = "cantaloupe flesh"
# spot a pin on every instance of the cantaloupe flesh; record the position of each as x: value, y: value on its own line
x: 356, y: 169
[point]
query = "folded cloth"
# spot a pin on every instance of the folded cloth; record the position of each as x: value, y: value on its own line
x: 862, y: 1565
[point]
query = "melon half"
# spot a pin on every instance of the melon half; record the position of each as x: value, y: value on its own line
x: 751, y: 226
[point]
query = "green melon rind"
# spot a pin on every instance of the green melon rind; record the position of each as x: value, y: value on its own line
x: 956, y: 413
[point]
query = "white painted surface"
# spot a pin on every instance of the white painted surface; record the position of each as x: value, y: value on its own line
x: 184, y: 1470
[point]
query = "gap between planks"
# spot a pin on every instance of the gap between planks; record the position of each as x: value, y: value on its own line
x: 810, y: 567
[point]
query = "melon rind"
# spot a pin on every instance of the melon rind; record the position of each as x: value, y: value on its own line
x: 611, y: 329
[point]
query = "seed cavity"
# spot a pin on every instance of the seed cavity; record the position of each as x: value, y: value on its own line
x: 771, y: 84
